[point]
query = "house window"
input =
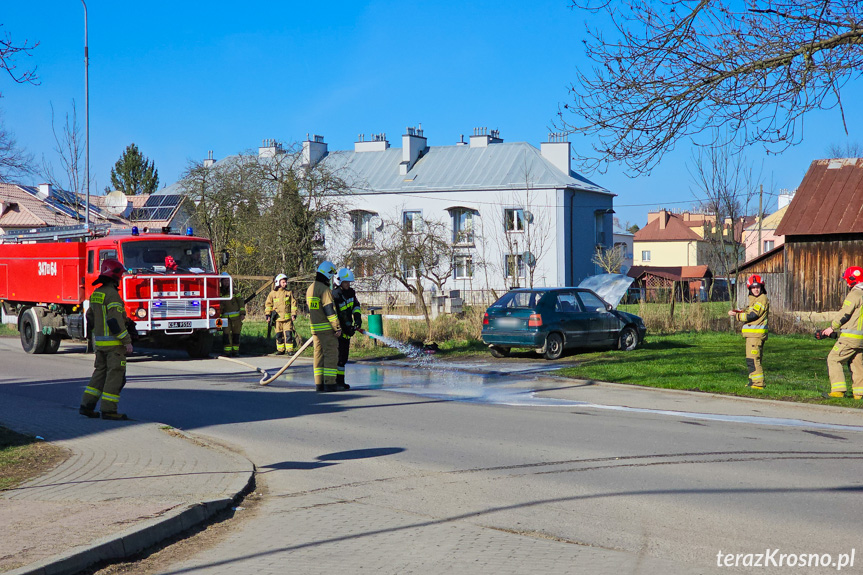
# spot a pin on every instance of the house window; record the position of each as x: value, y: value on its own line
x: 769, y: 245
x: 362, y: 267
x: 412, y: 221
x: 599, y: 220
x: 513, y: 220
x: 514, y: 266
x: 409, y: 271
x: 645, y: 255
x: 319, y: 239
x: 363, y: 229
x: 463, y: 267
x: 462, y: 226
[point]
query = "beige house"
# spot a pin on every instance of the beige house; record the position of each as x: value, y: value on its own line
x: 671, y: 240
x: 767, y: 235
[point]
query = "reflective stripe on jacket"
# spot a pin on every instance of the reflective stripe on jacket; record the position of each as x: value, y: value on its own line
x: 755, y: 316
x: 322, y: 309
x: 850, y: 319
x: 234, y: 308
x: 109, y: 317
x: 281, y: 301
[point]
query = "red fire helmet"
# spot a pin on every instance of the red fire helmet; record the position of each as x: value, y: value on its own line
x: 754, y: 280
x: 853, y: 275
x: 112, y: 268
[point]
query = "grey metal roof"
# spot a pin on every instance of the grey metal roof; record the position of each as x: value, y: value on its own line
x: 501, y: 166
x: 455, y: 168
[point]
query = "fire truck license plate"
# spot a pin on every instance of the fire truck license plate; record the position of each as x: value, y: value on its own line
x: 179, y: 324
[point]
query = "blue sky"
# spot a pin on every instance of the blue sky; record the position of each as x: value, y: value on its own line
x: 181, y: 78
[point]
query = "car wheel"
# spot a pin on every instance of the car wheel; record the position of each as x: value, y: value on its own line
x: 497, y: 351
x: 553, y: 346
x: 628, y: 339
x: 32, y: 338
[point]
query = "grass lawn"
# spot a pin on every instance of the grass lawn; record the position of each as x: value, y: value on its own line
x: 7, y: 330
x: 23, y: 457
x: 794, y: 366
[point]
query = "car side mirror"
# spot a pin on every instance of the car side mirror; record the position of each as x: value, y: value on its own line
x: 608, y: 307
x: 225, y: 257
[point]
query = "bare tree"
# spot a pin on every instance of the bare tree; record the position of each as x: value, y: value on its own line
x: 412, y: 255
x: 610, y: 259
x: 846, y: 150
x: 672, y: 69
x: 726, y: 183
x: 14, y: 160
x: 69, y: 147
x: 9, y: 51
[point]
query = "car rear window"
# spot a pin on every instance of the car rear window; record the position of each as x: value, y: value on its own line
x: 519, y: 299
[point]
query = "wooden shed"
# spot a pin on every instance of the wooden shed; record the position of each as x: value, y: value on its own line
x: 823, y: 231
x: 657, y: 283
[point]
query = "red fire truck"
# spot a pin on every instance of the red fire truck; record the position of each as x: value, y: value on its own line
x: 171, y: 287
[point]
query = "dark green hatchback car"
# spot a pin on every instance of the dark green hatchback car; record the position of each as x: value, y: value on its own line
x: 553, y: 319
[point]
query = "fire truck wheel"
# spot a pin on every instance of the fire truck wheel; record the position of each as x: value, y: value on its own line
x: 200, y: 345
x: 52, y: 344
x: 32, y: 338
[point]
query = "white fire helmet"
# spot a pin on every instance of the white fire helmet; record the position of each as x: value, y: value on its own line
x: 279, y: 278
x: 327, y: 269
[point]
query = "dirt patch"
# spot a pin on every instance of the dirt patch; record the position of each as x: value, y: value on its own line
x: 161, y: 558
x: 23, y: 457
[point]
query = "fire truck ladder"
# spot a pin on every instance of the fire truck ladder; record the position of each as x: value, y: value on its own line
x: 55, y: 234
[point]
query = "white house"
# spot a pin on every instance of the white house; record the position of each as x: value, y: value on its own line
x: 519, y: 214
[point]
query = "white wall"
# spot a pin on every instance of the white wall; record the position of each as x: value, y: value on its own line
x: 490, y: 238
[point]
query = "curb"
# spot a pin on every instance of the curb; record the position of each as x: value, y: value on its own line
x: 125, y: 544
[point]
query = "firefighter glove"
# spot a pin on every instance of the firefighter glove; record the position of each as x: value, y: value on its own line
x: 268, y: 317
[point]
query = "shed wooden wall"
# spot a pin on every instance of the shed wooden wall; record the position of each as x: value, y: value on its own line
x: 814, y: 270
x: 772, y: 272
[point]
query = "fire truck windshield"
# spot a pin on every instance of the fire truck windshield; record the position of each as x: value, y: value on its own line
x: 178, y: 256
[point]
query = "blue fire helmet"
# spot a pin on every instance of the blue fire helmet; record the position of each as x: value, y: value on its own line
x: 345, y: 275
x: 327, y: 269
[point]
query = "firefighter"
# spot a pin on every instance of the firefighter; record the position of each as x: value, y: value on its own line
x: 850, y: 343
x: 233, y: 313
x: 325, y: 329
x: 350, y: 319
x: 754, y: 329
x: 281, y: 309
x: 107, y: 316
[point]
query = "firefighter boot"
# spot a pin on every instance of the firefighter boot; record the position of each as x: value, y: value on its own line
x: 836, y: 394
x: 113, y: 416
x: 88, y: 412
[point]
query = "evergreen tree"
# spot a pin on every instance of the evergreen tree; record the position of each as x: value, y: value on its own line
x: 134, y: 174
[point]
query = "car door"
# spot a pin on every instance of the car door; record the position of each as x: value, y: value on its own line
x: 566, y: 311
x: 599, y: 332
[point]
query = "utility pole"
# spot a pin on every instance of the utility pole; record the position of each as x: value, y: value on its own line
x: 760, y: 215
x: 86, y: 123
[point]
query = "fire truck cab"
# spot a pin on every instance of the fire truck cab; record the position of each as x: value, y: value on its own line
x: 171, y: 289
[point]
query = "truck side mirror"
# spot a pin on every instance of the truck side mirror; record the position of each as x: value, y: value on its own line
x: 226, y: 257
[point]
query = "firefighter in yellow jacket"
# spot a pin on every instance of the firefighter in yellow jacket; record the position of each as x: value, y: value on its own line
x: 325, y: 330
x: 754, y: 329
x: 281, y: 310
x: 233, y: 314
x: 850, y: 344
x: 107, y: 318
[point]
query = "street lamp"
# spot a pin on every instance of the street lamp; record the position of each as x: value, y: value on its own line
x: 86, y: 124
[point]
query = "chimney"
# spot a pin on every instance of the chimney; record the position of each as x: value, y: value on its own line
x: 377, y: 143
x: 45, y: 191
x: 557, y: 151
x: 209, y: 161
x: 413, y: 147
x: 461, y: 142
x: 663, y: 219
x: 270, y: 148
x: 785, y: 197
x: 482, y: 137
x: 314, y: 150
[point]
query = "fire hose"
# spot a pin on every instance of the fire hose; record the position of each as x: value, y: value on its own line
x: 265, y: 380
x: 258, y: 369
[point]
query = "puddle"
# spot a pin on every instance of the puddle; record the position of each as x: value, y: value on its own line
x: 498, y: 389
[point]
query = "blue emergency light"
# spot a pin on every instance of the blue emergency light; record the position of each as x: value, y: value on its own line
x: 134, y: 230
x: 189, y: 232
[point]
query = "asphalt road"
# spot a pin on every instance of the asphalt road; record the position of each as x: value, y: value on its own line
x: 426, y: 470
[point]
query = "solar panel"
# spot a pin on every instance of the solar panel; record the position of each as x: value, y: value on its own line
x: 154, y: 201
x: 171, y: 200
x: 162, y: 213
